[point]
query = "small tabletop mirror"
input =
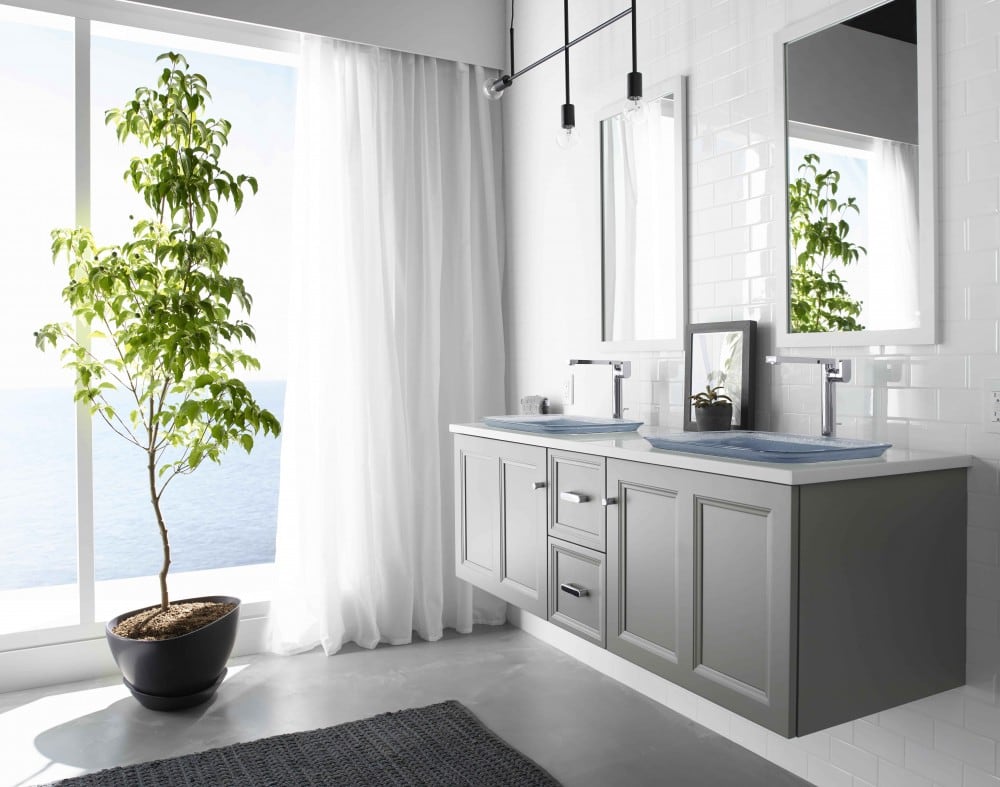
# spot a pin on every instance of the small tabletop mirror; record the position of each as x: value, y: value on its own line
x: 643, y: 209
x: 721, y: 355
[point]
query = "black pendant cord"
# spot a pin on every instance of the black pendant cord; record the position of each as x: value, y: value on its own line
x: 568, y: 110
x: 635, y: 62
x: 566, y: 41
x: 512, y: 36
x: 633, y: 89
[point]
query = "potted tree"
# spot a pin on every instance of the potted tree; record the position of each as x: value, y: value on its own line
x: 713, y: 411
x: 160, y: 325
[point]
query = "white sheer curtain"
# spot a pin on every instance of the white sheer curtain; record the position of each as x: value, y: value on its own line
x: 640, y: 184
x: 893, y: 237
x: 396, y: 265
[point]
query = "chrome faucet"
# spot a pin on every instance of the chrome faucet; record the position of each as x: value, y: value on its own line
x: 619, y: 371
x: 834, y: 371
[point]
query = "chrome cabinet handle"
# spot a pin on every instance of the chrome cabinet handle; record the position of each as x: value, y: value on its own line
x: 574, y: 590
x: 573, y: 497
x: 609, y: 501
x: 538, y: 485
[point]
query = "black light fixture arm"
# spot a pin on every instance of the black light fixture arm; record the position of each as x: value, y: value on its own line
x: 503, y: 82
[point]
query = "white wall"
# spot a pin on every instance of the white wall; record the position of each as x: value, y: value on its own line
x: 470, y: 31
x: 923, y: 397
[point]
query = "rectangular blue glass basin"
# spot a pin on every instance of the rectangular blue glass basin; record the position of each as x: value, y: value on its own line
x: 561, y: 424
x: 769, y: 446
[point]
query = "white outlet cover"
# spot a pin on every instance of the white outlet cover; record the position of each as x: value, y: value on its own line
x: 992, y: 399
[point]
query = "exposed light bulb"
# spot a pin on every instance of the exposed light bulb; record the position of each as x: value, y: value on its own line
x: 634, y: 92
x: 493, y: 87
x: 567, y: 138
x: 632, y: 109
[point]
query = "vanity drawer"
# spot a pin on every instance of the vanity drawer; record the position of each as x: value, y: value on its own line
x: 576, y: 590
x: 576, y: 514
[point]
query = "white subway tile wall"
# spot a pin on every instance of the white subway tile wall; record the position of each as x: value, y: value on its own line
x: 922, y: 397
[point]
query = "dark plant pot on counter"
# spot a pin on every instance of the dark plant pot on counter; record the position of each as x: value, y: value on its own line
x: 181, y: 672
x: 714, y: 418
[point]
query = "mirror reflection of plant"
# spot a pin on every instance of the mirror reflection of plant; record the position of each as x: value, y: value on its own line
x: 819, y: 299
x: 710, y: 397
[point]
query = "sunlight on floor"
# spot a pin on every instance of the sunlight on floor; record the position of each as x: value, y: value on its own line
x: 42, y: 738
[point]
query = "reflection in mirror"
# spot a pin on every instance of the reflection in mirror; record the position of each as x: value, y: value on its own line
x: 721, y: 355
x: 642, y: 183
x: 853, y: 136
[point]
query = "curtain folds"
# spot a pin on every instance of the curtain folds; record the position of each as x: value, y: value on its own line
x: 893, y: 237
x: 396, y: 269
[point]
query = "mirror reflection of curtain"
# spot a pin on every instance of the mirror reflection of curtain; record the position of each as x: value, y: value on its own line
x: 893, y: 237
x: 731, y: 364
x: 639, y: 202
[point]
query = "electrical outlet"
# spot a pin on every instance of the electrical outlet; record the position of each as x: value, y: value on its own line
x: 992, y: 405
x: 568, y: 390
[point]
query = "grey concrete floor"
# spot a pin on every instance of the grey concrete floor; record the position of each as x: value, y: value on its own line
x: 584, y: 728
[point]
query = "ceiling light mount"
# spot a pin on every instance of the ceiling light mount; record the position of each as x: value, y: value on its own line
x: 494, y: 87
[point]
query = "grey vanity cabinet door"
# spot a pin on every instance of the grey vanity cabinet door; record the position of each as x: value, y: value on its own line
x: 645, y: 555
x: 742, y: 577
x: 700, y: 585
x: 500, y: 520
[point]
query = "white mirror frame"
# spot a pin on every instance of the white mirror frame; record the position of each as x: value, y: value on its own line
x: 676, y: 87
x: 927, y: 331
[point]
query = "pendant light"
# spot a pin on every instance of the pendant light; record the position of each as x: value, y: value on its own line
x: 494, y: 87
x: 633, y: 91
x: 566, y: 138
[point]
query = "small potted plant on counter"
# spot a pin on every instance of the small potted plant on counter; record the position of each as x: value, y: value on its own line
x: 713, y: 411
x: 158, y: 325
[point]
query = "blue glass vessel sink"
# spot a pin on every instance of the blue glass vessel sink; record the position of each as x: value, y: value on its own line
x: 769, y: 446
x: 561, y: 424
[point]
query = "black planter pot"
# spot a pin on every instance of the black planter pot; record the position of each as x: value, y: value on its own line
x: 182, y: 672
x: 716, y: 418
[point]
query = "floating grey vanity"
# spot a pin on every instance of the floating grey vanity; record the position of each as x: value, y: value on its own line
x: 798, y: 596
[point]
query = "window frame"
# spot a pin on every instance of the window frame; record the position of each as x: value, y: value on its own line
x: 285, y: 47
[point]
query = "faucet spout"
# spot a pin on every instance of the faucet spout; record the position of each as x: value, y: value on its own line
x: 834, y: 371
x: 619, y: 371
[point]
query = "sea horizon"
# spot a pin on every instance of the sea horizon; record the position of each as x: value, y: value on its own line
x: 220, y: 516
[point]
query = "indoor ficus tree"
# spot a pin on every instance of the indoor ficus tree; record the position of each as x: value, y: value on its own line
x: 154, y: 315
x: 819, y: 300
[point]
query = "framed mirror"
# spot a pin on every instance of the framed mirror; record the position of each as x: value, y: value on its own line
x: 643, y: 220
x: 721, y: 354
x: 857, y: 151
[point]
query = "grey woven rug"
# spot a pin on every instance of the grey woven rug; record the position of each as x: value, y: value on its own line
x: 441, y: 744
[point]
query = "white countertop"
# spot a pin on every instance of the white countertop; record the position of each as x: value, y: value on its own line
x: 633, y: 447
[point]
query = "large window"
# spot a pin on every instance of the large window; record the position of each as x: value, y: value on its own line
x: 78, y: 542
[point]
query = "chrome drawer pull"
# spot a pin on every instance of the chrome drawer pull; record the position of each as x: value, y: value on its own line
x: 574, y: 590
x: 538, y: 485
x: 573, y: 497
x: 609, y: 501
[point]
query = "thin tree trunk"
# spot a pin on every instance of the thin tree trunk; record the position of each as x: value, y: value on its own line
x: 164, y: 598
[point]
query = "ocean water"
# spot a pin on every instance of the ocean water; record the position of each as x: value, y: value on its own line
x: 220, y: 516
